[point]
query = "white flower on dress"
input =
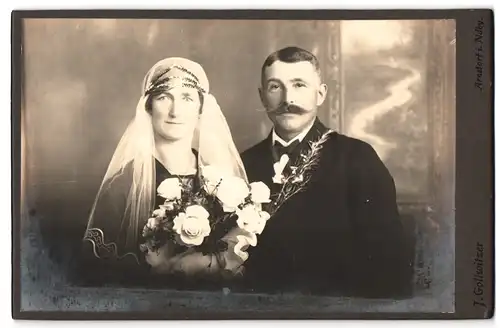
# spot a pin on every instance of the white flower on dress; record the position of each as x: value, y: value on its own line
x: 212, y: 176
x: 260, y: 193
x: 167, y: 206
x: 170, y: 189
x: 159, y: 212
x: 232, y: 192
x: 252, y: 219
x: 153, y: 222
x: 192, y: 226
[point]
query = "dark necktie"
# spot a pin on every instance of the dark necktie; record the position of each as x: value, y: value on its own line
x: 281, y: 150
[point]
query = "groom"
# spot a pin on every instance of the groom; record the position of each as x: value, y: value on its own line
x: 342, y: 235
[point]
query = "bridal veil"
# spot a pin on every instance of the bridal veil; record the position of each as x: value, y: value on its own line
x: 126, y: 195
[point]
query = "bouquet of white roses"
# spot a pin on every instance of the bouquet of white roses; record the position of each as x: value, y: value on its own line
x: 201, y: 218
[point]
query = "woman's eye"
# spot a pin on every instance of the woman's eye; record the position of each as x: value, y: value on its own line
x: 160, y: 98
x: 188, y: 98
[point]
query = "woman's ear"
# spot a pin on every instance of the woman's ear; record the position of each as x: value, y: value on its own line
x: 322, y: 91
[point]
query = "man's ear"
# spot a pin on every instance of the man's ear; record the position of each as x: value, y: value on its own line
x: 261, y: 95
x: 322, y: 91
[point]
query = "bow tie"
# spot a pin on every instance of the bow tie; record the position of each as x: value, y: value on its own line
x: 281, y: 150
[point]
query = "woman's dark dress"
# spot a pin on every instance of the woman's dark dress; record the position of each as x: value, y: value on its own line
x: 127, y: 270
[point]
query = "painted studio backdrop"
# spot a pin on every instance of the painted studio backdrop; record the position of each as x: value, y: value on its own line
x: 391, y: 83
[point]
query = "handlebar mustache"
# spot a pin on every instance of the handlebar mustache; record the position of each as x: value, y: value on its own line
x: 287, y: 108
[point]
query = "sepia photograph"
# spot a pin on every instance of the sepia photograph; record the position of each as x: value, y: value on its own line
x: 222, y: 165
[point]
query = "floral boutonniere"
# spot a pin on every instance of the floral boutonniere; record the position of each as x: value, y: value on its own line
x: 301, y: 172
x: 278, y: 169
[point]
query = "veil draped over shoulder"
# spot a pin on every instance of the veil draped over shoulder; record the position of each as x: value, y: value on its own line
x: 127, y: 193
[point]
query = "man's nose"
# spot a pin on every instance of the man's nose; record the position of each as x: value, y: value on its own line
x: 288, y: 96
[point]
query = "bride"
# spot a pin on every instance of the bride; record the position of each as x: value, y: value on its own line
x: 178, y: 127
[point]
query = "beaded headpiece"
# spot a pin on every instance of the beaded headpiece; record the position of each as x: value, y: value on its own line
x: 165, y: 82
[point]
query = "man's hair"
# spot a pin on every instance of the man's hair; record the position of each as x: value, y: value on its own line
x: 291, y: 55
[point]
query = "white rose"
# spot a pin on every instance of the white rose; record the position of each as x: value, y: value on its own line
x: 193, y: 225
x: 153, y: 222
x: 232, y: 191
x: 260, y: 193
x: 159, y: 212
x: 251, y: 219
x: 212, y: 176
x: 170, y: 189
x: 167, y: 207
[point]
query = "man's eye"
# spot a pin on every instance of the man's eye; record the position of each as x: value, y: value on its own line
x: 300, y: 85
x: 273, y: 87
x: 188, y: 98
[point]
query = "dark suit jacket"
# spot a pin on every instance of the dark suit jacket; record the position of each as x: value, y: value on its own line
x: 341, y: 236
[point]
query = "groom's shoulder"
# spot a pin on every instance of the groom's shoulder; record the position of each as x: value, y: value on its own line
x: 352, y: 147
x: 351, y: 142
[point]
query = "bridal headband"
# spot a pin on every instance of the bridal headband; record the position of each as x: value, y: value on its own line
x: 175, y: 72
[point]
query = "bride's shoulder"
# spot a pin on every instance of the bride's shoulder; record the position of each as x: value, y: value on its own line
x: 119, y: 180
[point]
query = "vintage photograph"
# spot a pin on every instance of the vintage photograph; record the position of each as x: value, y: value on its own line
x: 238, y: 163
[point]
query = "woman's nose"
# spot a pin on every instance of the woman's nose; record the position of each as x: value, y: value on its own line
x: 173, y: 110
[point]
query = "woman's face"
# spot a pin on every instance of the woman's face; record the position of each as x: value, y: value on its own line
x: 175, y: 113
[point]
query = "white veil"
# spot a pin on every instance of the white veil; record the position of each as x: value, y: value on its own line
x: 127, y: 193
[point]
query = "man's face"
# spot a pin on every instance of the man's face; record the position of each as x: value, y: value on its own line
x: 291, y: 94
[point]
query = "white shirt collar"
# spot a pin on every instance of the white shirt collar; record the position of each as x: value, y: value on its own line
x: 299, y: 137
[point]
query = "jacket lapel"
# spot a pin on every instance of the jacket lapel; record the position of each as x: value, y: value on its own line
x: 266, y: 162
x: 317, y: 130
